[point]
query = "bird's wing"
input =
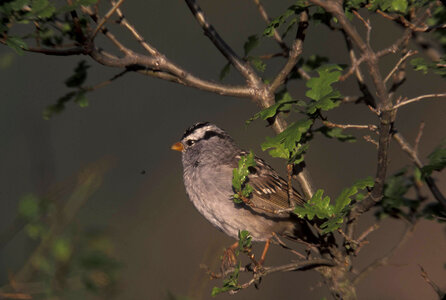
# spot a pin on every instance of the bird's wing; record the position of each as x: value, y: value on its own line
x: 270, y: 190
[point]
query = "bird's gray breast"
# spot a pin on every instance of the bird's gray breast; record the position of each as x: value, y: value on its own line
x: 210, y: 190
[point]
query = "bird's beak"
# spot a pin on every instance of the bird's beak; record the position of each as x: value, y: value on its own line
x: 177, y: 147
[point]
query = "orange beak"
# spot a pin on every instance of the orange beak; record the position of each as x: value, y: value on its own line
x: 177, y: 147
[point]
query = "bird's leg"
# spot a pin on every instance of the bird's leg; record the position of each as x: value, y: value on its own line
x: 265, y: 250
x: 229, y: 258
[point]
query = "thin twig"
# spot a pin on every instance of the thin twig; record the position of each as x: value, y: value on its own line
x: 346, y: 126
x: 408, y: 54
x: 384, y: 259
x: 276, y: 34
x: 405, y: 146
x: 434, y: 286
x: 242, y: 67
x: 295, y: 51
x: 105, y: 18
x: 405, y: 102
x: 418, y: 138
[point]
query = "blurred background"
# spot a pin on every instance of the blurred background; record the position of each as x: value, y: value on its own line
x: 115, y: 154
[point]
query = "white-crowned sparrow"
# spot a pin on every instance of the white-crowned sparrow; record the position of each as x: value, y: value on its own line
x: 209, y: 156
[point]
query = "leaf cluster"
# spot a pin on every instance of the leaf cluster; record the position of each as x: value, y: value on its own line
x: 240, y: 174
x: 230, y: 283
x: 75, y: 81
x: 292, y: 143
x: 333, y: 214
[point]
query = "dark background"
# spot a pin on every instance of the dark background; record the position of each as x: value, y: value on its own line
x: 160, y: 238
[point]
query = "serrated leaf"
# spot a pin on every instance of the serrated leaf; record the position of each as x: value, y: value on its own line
x: 282, y: 105
x: 321, y: 91
x: 364, y: 183
x: 286, y: 144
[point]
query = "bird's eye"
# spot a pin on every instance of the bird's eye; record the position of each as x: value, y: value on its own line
x: 190, y: 142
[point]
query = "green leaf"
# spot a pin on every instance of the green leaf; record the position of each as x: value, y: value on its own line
x: 240, y: 178
x: 19, y: 4
x: 321, y: 91
x: 437, y: 160
x: 244, y: 240
x: 62, y: 249
x: 42, y: 8
x: 282, y: 105
x: 287, y: 143
x: 364, y: 183
x: 337, y: 133
x: 81, y: 99
x: 29, y: 207
x: 250, y: 44
x: 229, y: 284
x: 53, y: 109
x: 296, y: 8
x: 17, y: 44
x: 257, y: 63
x: 437, y: 67
x: 79, y: 76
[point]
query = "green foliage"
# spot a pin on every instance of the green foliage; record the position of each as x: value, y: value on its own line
x: 251, y: 43
x: 320, y: 207
x: 29, y: 207
x: 230, y: 283
x: 287, y: 144
x: 397, y: 6
x: 78, y: 95
x: 240, y: 178
x: 321, y: 92
x: 16, y: 44
x: 244, y: 241
x: 438, y: 67
x: 337, y: 133
x: 397, y: 204
x: 294, y: 9
x: 283, y: 104
x: 437, y: 160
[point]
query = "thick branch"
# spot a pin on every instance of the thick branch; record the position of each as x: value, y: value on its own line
x: 164, y: 66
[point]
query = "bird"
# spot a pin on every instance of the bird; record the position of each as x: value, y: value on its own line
x: 209, y: 156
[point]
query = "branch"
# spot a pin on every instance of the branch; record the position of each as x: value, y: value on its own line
x: 346, y: 126
x: 398, y: 64
x: 405, y: 102
x: 384, y: 106
x: 105, y: 18
x: 435, y: 287
x: 276, y: 34
x: 242, y: 67
x: 405, y: 146
x: 174, y: 73
x: 295, y: 51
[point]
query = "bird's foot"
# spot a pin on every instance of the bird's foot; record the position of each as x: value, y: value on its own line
x: 229, y: 259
